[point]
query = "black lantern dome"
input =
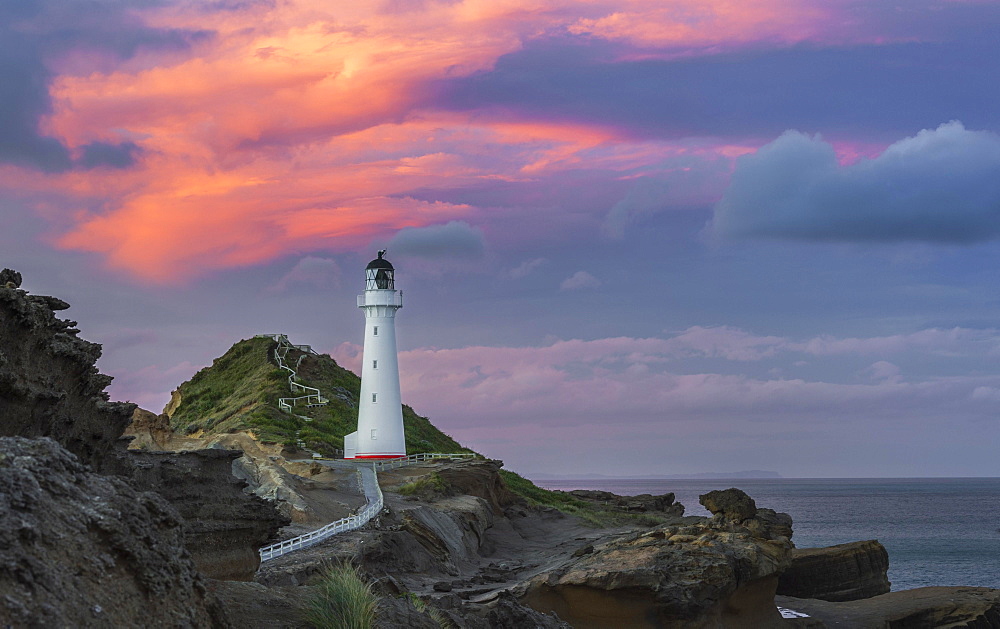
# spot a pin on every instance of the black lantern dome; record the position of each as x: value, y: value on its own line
x: 379, y: 274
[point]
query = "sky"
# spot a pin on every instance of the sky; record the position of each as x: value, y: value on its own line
x: 635, y: 237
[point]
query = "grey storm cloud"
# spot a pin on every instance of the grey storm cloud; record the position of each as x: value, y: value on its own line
x: 455, y: 239
x: 34, y: 32
x: 941, y: 185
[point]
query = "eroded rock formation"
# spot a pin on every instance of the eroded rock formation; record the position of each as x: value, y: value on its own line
x: 149, y: 431
x: 480, y: 478
x: 720, y: 572
x: 49, y: 386
x: 845, y: 572
x: 642, y: 503
x: 84, y: 550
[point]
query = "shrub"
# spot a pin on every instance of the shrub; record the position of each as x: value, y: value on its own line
x: 343, y: 600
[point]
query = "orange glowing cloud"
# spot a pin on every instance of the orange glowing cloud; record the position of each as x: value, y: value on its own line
x: 301, y: 127
x: 706, y: 22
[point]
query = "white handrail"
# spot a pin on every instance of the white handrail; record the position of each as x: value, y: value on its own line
x: 350, y: 523
x: 356, y: 521
x: 424, y: 456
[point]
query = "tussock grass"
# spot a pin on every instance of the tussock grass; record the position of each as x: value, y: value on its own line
x: 344, y: 600
x: 596, y: 515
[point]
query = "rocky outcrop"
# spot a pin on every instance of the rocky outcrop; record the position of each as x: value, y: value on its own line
x: 270, y: 480
x: 642, y: 503
x: 9, y: 278
x: 720, y: 572
x: 224, y: 525
x: 845, y: 572
x: 480, y: 478
x: 49, y: 386
x: 149, y: 431
x: 83, y: 550
x: 952, y: 607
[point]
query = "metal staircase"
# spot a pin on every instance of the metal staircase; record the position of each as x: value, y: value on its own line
x: 312, y: 397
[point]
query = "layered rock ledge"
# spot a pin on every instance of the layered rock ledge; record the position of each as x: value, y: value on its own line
x: 845, y: 572
x: 920, y: 608
x: 720, y: 572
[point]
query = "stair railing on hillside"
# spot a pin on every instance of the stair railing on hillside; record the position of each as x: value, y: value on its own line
x: 392, y: 464
x: 312, y: 395
x: 349, y: 523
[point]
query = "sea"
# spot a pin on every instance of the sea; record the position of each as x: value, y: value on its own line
x: 938, y: 531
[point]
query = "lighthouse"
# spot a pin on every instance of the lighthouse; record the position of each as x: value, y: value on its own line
x: 380, y: 409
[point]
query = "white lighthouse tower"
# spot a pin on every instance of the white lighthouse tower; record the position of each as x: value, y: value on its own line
x: 380, y: 410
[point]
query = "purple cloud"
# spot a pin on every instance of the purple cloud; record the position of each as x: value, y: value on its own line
x: 455, y: 239
x: 941, y: 185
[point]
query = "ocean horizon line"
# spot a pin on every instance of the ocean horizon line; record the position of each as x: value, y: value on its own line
x: 707, y: 477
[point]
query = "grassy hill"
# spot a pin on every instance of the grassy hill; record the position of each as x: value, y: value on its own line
x: 240, y: 391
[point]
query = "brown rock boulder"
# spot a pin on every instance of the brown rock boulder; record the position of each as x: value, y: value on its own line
x: 733, y: 504
x: 150, y: 431
x: 845, y: 572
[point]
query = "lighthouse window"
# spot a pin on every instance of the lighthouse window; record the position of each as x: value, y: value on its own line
x: 373, y: 434
x: 375, y: 331
x: 374, y: 364
x: 374, y: 397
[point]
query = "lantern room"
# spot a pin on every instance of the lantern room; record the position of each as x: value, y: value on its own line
x: 379, y: 274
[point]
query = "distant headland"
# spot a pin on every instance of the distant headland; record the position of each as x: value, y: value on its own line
x: 703, y: 475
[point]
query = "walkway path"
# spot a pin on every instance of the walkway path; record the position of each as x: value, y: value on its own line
x: 368, y: 482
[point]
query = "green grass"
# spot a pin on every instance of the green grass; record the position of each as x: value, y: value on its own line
x: 240, y: 391
x: 434, y: 613
x: 343, y: 600
x: 429, y: 486
x: 596, y: 515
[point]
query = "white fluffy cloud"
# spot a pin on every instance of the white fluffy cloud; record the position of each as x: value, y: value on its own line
x: 580, y: 279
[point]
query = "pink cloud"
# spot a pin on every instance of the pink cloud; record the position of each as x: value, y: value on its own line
x: 575, y: 381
